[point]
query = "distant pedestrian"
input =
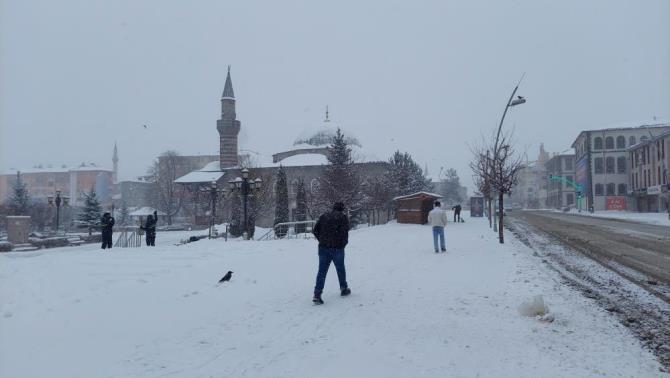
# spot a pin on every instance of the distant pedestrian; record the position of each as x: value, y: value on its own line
x: 107, y: 225
x: 438, y: 219
x: 150, y: 228
x: 457, y: 213
x: 332, y: 232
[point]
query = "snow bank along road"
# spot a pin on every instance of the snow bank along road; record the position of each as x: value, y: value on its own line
x: 156, y: 312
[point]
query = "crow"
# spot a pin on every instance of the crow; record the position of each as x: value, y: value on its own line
x: 145, y: 126
x: 226, y: 277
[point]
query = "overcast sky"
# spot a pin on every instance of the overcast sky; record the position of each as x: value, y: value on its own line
x: 427, y: 77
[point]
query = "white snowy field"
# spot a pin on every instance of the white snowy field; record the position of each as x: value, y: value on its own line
x: 156, y: 312
x: 660, y: 219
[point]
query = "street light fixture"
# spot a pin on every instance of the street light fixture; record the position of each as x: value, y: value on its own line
x: 214, y: 192
x: 58, y: 200
x: 246, y: 187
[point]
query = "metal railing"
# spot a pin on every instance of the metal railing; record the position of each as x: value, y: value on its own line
x: 290, y: 230
x: 129, y: 238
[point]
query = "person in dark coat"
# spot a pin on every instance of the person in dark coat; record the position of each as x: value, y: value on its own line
x: 332, y: 232
x: 457, y: 212
x: 150, y: 228
x: 107, y: 224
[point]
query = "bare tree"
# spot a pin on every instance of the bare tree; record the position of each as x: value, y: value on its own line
x: 498, y: 172
x: 167, y: 195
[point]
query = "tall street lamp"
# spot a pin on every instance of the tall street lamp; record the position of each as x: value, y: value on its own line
x: 214, y: 193
x: 246, y: 187
x: 58, y: 200
x: 510, y: 103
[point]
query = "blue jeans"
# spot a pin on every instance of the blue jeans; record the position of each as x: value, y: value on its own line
x: 438, y: 231
x: 326, y: 255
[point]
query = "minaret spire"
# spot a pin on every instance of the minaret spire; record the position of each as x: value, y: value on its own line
x: 115, y: 161
x: 228, y: 87
x: 327, y: 115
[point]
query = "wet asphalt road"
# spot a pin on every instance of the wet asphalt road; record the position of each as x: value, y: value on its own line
x: 642, y: 247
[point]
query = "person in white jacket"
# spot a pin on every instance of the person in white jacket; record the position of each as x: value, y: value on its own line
x: 438, y: 219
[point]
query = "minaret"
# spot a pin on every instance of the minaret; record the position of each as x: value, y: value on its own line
x: 115, y: 160
x: 228, y: 127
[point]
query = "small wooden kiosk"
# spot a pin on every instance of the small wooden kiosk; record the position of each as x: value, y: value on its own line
x: 414, y: 208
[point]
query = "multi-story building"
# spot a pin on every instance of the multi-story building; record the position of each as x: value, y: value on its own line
x: 649, y: 162
x: 601, y: 164
x: 73, y: 182
x: 561, y: 181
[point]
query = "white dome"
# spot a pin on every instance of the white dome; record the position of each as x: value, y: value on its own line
x: 323, y: 136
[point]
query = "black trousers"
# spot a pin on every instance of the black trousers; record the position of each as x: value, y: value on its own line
x: 151, y: 239
x: 457, y: 214
x: 106, y: 239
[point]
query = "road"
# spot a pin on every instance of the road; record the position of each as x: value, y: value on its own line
x: 642, y: 247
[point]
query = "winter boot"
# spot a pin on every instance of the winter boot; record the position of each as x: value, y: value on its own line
x: 317, y: 299
x: 344, y: 292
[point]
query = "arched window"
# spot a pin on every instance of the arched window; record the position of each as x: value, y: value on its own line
x: 621, y: 141
x: 610, y: 189
x: 609, y: 143
x: 598, y: 143
x: 599, y: 189
x: 631, y: 141
x: 293, y: 190
x: 609, y: 164
x: 622, y: 189
x: 598, y: 165
x: 621, y: 164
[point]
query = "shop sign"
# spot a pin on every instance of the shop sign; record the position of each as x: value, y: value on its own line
x: 615, y: 203
x: 654, y: 189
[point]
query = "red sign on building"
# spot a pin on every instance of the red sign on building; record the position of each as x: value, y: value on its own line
x: 615, y: 203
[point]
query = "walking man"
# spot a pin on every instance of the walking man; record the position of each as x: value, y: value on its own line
x: 457, y: 212
x: 438, y: 219
x: 106, y: 224
x: 332, y: 232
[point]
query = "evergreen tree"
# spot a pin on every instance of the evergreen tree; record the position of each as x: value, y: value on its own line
x: 281, y: 206
x: 20, y: 200
x: 452, y: 187
x: 91, y: 213
x: 301, y: 207
x: 406, y: 176
x: 124, y: 214
x: 340, y: 181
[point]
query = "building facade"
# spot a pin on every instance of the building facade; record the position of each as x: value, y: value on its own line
x: 561, y: 191
x: 649, y: 162
x: 602, y: 167
x: 73, y: 182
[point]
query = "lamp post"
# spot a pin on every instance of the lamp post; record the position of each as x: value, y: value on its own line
x: 214, y: 192
x: 510, y: 103
x: 58, y: 200
x: 246, y: 187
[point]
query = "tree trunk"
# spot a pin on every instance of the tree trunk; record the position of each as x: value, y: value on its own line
x: 500, y: 218
x: 488, y: 199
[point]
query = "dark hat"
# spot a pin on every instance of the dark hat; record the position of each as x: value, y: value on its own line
x: 338, y: 206
x: 437, y: 203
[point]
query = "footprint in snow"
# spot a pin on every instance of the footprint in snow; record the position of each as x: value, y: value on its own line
x: 8, y: 314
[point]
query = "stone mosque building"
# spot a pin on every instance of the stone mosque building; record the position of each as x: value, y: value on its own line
x: 303, y: 161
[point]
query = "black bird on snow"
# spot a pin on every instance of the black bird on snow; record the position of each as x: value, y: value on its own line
x: 145, y: 126
x: 226, y: 277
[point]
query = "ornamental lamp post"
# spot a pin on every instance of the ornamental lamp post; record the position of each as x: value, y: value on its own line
x: 246, y: 187
x: 58, y: 200
x: 214, y: 192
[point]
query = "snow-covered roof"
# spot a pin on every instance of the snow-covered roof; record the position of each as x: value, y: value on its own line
x: 213, y: 166
x: 199, y: 176
x: 55, y: 169
x: 144, y: 211
x: 417, y: 194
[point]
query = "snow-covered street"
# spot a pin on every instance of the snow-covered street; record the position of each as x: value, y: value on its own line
x: 157, y: 312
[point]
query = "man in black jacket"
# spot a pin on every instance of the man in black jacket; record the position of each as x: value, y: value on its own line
x: 457, y: 213
x: 332, y: 232
x: 106, y: 224
x: 150, y: 228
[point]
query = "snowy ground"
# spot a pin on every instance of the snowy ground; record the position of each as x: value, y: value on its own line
x: 650, y: 218
x: 81, y: 312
